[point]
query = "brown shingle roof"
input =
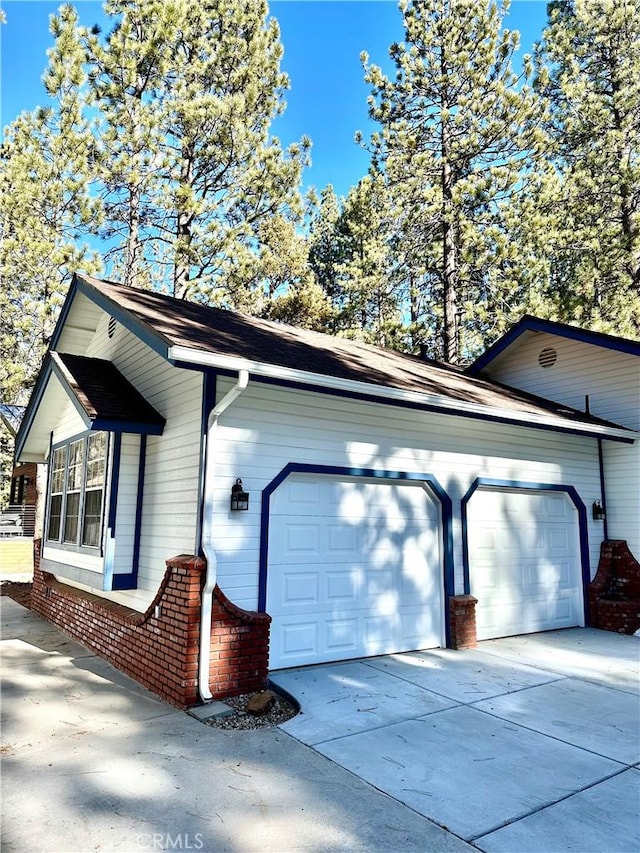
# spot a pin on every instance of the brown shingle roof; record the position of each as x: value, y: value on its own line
x: 104, y: 393
x: 230, y: 333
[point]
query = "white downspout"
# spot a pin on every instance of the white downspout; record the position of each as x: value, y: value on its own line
x: 207, y: 537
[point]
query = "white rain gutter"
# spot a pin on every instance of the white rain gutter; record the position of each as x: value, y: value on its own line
x: 211, y: 576
x: 288, y: 374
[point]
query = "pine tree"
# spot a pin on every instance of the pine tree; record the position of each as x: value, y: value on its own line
x: 371, y: 303
x: 327, y: 251
x: 457, y: 125
x: 126, y: 72
x: 46, y: 207
x: 588, y: 67
x: 188, y: 93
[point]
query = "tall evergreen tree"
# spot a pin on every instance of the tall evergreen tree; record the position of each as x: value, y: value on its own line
x: 126, y: 72
x: 45, y: 209
x: 371, y: 304
x: 187, y: 94
x: 588, y: 67
x: 456, y: 127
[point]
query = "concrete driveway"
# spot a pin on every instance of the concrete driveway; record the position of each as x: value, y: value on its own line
x: 91, y: 761
x: 527, y: 744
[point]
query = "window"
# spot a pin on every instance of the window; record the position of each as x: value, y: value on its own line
x: 77, y: 487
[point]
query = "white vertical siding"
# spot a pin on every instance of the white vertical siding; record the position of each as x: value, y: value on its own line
x: 268, y: 427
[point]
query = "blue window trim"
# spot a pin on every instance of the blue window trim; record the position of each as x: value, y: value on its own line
x: 130, y: 579
x: 98, y: 550
x: 576, y: 500
x: 446, y: 509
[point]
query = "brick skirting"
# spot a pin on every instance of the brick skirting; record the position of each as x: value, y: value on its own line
x: 160, y: 648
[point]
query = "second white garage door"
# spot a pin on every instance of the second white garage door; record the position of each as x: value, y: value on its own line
x: 354, y: 569
x: 524, y: 562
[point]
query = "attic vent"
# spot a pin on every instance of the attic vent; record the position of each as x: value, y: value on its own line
x: 547, y: 357
x: 111, y: 328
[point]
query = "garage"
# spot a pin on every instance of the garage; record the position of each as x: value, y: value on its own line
x: 524, y: 561
x: 354, y: 569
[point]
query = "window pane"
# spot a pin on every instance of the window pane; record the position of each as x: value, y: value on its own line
x: 72, y: 509
x: 55, y: 510
x: 57, y: 470
x: 74, y: 469
x: 96, y: 457
x: 92, y: 518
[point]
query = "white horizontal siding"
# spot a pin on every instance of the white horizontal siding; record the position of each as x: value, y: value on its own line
x: 622, y: 484
x: 268, y: 427
x: 126, y: 507
x: 90, y: 562
x: 611, y: 379
x: 171, y: 487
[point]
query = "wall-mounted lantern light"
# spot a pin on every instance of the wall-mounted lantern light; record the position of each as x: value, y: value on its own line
x: 598, y: 511
x: 239, y: 498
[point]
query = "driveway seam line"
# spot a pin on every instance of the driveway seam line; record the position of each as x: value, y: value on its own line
x: 549, y: 805
x: 552, y: 737
x: 484, y: 698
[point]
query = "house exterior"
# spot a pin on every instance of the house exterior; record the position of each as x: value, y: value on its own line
x: 393, y: 503
x: 590, y: 371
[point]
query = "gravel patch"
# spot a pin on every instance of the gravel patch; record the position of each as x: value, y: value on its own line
x: 281, y: 711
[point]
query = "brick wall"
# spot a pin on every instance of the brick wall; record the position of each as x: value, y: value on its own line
x: 159, y: 648
x: 614, y: 593
x: 462, y: 621
x: 239, y: 648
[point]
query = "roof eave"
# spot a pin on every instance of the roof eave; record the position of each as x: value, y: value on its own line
x: 181, y: 355
x: 528, y: 323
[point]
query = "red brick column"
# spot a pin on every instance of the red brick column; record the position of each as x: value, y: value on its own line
x: 462, y: 621
x: 239, y: 648
x: 614, y: 593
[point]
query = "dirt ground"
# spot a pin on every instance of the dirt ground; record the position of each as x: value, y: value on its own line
x: 19, y: 591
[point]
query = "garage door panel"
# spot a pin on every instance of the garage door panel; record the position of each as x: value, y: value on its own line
x: 301, y: 588
x: 524, y: 563
x: 300, y: 638
x: 340, y: 635
x: 372, y: 568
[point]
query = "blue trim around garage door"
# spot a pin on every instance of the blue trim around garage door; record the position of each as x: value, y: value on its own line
x: 576, y: 500
x: 446, y: 509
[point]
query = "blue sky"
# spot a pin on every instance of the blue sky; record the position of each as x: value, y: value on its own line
x: 322, y: 41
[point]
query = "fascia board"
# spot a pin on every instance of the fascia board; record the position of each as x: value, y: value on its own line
x: 139, y: 328
x: 60, y: 374
x: 444, y: 404
x: 560, y: 330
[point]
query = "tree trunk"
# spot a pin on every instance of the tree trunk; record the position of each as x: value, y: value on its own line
x: 183, y: 232
x: 449, y: 266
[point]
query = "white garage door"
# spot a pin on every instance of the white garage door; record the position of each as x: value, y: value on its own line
x: 354, y: 569
x: 524, y: 562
